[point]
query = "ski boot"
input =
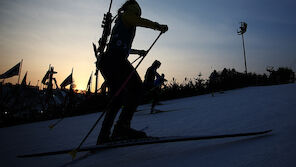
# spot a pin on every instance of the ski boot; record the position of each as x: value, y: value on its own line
x: 122, y: 132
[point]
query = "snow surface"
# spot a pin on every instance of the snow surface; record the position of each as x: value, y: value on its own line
x: 241, y: 110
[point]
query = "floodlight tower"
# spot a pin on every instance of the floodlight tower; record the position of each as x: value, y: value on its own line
x: 243, y: 29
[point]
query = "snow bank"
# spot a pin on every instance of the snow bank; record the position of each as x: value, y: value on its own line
x: 242, y: 110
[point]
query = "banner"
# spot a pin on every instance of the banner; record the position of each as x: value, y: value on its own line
x: 24, y: 81
x: 89, y: 81
x: 12, y: 72
x: 67, y: 81
x: 46, y: 76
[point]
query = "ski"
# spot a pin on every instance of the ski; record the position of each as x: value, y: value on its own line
x: 145, y: 141
x: 161, y: 111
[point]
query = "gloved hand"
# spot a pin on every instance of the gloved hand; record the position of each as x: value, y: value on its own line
x: 142, y: 53
x: 162, y: 27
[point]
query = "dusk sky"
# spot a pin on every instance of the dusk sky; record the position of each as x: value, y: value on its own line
x: 202, y: 36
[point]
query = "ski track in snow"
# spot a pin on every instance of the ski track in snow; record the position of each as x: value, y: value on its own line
x: 242, y: 110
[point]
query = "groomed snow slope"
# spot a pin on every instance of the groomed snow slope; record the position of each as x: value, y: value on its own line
x: 241, y: 110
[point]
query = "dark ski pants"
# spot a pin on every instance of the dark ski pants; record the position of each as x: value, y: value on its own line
x: 152, y: 93
x: 116, y: 71
x: 155, y: 98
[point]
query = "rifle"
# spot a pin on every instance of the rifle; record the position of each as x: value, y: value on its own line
x: 106, y: 25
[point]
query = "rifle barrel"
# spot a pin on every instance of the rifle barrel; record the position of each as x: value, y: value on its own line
x: 110, y: 7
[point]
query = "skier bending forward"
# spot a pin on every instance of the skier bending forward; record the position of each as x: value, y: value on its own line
x: 115, y: 68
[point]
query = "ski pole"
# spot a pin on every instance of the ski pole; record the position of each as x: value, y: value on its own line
x: 54, y: 124
x: 131, y: 74
x: 147, y: 50
x: 136, y: 60
x: 74, y: 152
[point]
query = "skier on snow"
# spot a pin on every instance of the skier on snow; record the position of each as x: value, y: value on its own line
x: 115, y: 68
x: 152, y: 82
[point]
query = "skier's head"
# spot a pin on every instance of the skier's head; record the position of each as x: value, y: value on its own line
x: 156, y: 64
x: 131, y: 6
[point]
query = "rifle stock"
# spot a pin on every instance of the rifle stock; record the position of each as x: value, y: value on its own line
x: 106, y: 25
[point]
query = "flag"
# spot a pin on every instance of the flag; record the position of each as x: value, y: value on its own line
x: 24, y: 81
x: 12, y: 72
x: 47, y: 75
x: 67, y: 81
x: 45, y: 78
x: 89, y: 82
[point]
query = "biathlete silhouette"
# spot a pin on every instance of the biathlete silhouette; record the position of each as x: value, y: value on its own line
x: 116, y: 68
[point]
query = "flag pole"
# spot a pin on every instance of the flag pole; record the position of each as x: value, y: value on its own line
x: 90, y: 81
x: 19, y: 74
x: 71, y: 86
x: 246, y: 70
x: 88, y: 86
x: 72, y: 75
x: 37, y: 84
